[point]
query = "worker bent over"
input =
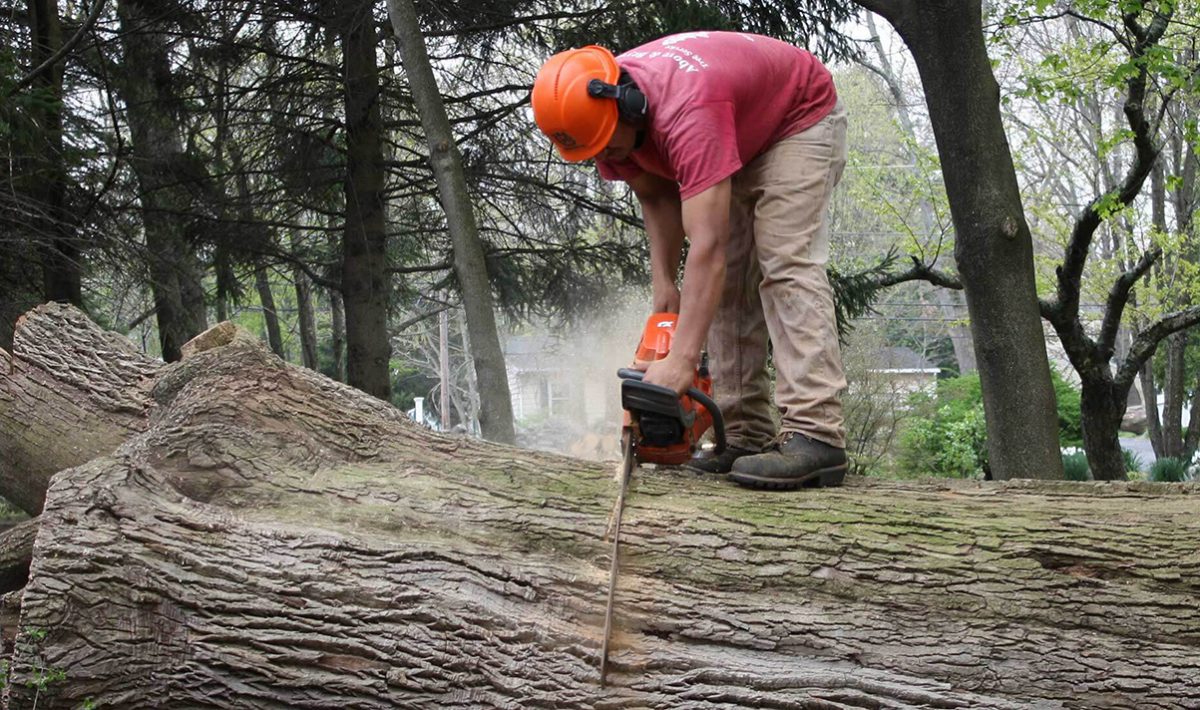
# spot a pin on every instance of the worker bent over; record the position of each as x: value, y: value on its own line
x: 736, y: 141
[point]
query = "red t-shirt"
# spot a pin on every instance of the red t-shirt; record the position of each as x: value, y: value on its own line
x: 716, y: 101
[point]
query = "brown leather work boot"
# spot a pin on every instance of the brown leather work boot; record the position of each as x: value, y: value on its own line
x: 707, y: 462
x: 799, y: 461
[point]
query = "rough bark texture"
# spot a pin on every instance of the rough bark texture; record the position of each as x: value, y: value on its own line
x: 68, y: 393
x: 16, y: 551
x: 993, y: 247
x: 274, y: 539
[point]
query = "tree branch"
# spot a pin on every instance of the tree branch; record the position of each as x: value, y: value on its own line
x: 887, y: 9
x: 1070, y: 272
x: 1117, y: 298
x: 921, y: 271
x: 63, y: 51
x: 1146, y: 342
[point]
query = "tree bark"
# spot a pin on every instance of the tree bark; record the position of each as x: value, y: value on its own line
x: 1153, y: 424
x: 307, y: 319
x: 993, y: 246
x: 365, y: 283
x: 160, y: 164
x: 61, y: 269
x: 1174, y: 395
x: 16, y: 552
x: 470, y: 266
x: 262, y: 283
x: 1102, y: 407
x: 337, y: 343
x: 69, y: 393
x: 273, y: 539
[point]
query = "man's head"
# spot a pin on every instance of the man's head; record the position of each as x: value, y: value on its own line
x: 582, y: 104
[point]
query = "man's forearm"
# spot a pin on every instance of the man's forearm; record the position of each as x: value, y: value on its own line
x: 664, y: 228
x: 661, y: 212
x: 703, y: 280
x: 706, y: 219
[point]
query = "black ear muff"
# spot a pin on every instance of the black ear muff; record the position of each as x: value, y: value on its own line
x: 631, y: 102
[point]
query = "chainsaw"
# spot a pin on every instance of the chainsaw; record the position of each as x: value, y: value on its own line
x: 660, y: 427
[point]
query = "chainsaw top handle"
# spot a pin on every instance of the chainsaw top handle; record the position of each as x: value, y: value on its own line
x: 627, y: 373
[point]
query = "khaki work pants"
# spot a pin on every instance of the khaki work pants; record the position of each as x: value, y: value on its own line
x: 775, y: 284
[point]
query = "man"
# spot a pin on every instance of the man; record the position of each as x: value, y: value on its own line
x: 736, y: 141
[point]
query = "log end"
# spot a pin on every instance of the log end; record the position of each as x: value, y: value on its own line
x: 221, y: 334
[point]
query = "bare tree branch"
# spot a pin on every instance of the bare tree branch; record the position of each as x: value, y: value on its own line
x: 63, y: 51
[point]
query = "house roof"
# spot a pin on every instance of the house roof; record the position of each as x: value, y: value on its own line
x: 900, y: 359
x: 525, y: 353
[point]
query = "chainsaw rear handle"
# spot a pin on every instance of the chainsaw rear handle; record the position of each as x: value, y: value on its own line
x: 628, y: 373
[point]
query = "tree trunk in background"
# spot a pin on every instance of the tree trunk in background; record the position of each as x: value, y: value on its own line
x: 1103, y: 406
x: 960, y: 333
x: 337, y: 341
x: 1153, y: 424
x: 1174, y: 395
x: 365, y: 281
x: 472, y: 380
x: 262, y: 282
x: 308, y: 321
x: 271, y: 539
x: 19, y: 290
x: 470, y: 265
x: 60, y: 253
x: 1185, y: 199
x: 993, y: 245
x: 157, y: 161
x: 1191, y: 438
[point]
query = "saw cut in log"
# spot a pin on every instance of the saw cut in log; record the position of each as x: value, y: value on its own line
x: 274, y: 539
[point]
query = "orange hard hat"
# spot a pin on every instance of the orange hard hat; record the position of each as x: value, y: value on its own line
x: 580, y: 125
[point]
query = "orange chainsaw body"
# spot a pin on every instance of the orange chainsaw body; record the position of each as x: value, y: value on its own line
x: 675, y: 441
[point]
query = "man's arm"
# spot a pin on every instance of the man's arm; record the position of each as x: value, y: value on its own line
x: 661, y: 211
x: 705, y: 219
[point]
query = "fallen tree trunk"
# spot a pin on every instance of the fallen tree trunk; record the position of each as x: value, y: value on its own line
x: 274, y: 539
x: 70, y: 392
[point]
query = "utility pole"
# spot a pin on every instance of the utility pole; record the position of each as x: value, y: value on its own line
x: 444, y: 343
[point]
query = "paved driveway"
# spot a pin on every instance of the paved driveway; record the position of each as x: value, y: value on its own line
x: 1140, y: 446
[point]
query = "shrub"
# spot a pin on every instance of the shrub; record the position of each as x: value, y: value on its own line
x: 1070, y: 420
x: 1075, y: 466
x: 1169, y: 470
x: 1133, y: 462
x: 947, y: 435
x: 951, y: 444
